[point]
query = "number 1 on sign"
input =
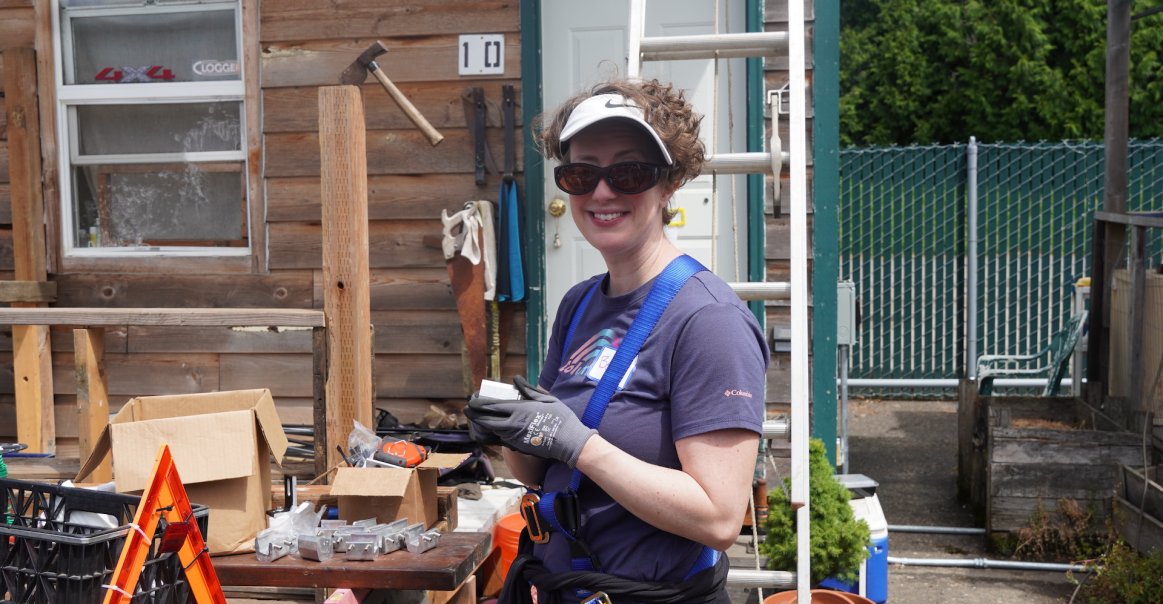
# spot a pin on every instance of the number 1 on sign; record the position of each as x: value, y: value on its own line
x: 482, y: 54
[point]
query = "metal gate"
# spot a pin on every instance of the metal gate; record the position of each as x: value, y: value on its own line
x: 904, y: 218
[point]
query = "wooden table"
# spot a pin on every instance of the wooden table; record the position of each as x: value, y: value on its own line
x: 442, y: 568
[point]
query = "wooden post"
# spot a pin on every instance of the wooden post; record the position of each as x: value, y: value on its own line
x: 92, y: 395
x: 32, y: 362
x: 346, y: 297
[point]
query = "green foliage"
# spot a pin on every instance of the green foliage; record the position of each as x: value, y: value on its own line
x: 939, y: 71
x: 839, y: 541
x: 1125, y: 576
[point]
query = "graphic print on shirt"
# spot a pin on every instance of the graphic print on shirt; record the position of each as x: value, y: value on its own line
x: 588, y: 353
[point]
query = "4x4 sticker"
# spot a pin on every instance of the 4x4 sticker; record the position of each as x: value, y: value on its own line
x: 127, y: 75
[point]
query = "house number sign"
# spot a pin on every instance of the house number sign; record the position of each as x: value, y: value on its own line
x: 481, y: 54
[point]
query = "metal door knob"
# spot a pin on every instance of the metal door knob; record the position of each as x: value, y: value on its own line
x: 557, y: 208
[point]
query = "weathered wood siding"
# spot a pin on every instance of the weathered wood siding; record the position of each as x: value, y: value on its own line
x: 304, y: 45
x: 17, y: 30
x: 1037, y: 452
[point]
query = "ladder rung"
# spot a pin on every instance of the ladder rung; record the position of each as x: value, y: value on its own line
x: 762, y: 290
x: 756, y: 162
x: 777, y: 579
x: 776, y: 428
x: 710, y: 46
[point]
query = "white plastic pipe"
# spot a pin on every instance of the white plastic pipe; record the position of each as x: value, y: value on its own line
x: 987, y: 563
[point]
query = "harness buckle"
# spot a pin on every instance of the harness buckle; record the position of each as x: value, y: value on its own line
x: 597, y: 598
x: 528, y: 509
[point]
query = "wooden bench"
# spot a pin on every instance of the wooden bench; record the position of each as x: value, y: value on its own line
x: 89, y: 338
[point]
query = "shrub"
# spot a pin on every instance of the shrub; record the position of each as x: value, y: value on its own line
x: 1067, y: 534
x: 839, y: 541
x: 1125, y: 576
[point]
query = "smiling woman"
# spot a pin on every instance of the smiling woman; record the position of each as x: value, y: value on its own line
x: 648, y: 499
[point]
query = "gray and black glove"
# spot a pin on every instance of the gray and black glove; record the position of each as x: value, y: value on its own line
x: 480, y: 434
x: 542, y: 425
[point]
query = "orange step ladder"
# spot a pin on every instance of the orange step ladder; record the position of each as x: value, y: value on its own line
x: 165, y: 498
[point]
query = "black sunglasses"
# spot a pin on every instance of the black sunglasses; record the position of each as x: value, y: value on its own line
x: 628, y: 177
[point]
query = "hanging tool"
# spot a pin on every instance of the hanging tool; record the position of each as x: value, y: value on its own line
x: 165, y: 499
x: 356, y: 74
x: 511, y: 267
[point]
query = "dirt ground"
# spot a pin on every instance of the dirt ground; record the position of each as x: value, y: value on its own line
x: 910, y: 448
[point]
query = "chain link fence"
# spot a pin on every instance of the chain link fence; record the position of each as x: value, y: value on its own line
x: 904, y: 238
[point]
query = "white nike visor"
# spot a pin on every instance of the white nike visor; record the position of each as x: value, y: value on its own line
x: 607, y: 106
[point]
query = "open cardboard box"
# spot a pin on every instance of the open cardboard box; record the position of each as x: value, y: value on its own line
x: 388, y: 494
x: 222, y: 444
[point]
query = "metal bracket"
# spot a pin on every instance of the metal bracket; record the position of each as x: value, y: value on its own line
x: 316, y: 547
x: 418, y: 544
x: 272, y: 544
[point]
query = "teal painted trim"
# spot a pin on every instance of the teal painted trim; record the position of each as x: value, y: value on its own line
x: 756, y: 221
x: 535, y: 335
x: 825, y: 225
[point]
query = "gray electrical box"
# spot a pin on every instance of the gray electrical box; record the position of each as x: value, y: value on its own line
x: 846, y: 326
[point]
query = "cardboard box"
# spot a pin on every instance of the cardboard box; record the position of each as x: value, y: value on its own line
x: 387, y: 494
x: 222, y: 443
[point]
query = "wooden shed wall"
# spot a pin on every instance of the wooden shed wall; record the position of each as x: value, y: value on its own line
x: 304, y: 45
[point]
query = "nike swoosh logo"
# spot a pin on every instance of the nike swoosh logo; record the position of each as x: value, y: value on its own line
x: 613, y: 105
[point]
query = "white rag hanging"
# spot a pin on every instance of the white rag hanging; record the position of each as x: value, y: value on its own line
x: 464, y: 232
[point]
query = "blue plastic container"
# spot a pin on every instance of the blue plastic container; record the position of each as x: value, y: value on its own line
x: 873, y: 582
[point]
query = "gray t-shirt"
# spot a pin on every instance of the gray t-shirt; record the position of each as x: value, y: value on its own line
x: 701, y: 369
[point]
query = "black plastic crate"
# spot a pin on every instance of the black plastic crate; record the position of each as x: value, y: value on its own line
x: 48, y: 557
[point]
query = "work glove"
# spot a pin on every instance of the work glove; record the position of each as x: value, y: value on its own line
x: 541, y: 425
x: 479, y: 433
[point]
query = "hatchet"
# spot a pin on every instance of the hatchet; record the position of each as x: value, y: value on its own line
x: 356, y: 74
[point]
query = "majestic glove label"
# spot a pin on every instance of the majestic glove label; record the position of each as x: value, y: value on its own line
x: 542, y: 429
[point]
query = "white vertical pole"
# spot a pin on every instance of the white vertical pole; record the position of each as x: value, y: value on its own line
x: 636, y: 31
x: 971, y: 262
x: 800, y: 372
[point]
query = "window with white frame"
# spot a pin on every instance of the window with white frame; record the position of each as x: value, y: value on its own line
x: 152, y: 127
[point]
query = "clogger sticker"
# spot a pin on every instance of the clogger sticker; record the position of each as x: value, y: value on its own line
x: 212, y: 68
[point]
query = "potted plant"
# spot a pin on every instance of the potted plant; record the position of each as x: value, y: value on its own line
x: 839, y: 541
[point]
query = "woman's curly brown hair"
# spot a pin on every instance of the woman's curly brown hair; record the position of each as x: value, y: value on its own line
x: 665, y: 109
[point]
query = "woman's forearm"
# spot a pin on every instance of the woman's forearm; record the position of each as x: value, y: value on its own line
x: 704, y: 501
x: 527, y: 469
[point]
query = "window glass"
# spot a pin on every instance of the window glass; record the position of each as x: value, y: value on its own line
x: 168, y: 128
x: 140, y: 204
x: 157, y: 165
x: 153, y: 47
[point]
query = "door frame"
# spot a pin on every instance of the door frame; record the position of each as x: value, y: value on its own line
x: 537, y: 329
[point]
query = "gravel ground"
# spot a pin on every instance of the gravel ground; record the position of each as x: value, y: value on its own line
x: 910, y: 448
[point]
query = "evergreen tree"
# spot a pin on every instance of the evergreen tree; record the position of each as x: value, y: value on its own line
x: 939, y: 71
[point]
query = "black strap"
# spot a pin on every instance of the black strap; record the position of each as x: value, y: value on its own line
x: 476, y: 118
x: 705, y: 587
x: 509, y: 113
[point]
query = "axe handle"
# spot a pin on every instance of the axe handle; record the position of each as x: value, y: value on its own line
x: 417, y: 118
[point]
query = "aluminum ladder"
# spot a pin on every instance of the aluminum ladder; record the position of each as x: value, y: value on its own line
x: 765, y: 44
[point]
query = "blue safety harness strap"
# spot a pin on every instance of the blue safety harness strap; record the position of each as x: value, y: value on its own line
x: 665, y: 288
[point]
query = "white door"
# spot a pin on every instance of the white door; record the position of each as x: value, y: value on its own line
x: 584, y: 43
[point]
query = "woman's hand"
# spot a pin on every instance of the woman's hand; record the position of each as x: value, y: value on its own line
x: 542, y: 425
